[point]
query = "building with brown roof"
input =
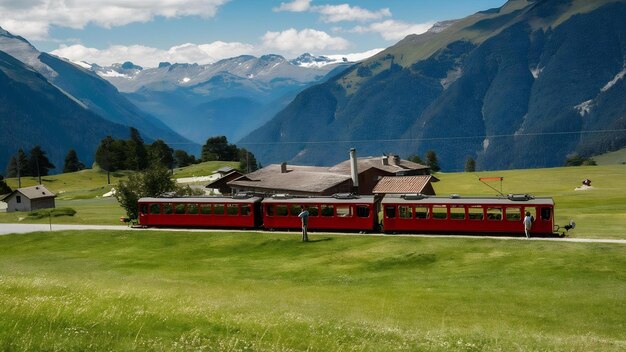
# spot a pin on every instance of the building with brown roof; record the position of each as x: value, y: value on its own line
x: 325, y: 181
x: 29, y: 199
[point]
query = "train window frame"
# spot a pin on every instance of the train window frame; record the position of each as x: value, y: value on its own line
x: 405, y: 212
x: 455, y: 214
x: 313, y: 210
x: 191, y: 207
x: 143, y: 209
x: 532, y: 211
x: 219, y: 209
x: 390, y: 211
x: 545, y: 210
x: 476, y: 213
x: 281, y: 210
x: 269, y: 210
x: 204, y: 208
x: 180, y: 208
x: 153, y: 206
x: 513, y: 213
x: 327, y: 210
x: 168, y: 209
x: 295, y: 209
x: 437, y: 214
x: 245, y: 209
x: 422, y: 212
x: 495, y: 213
x: 362, y: 211
x: 343, y: 210
x: 232, y: 209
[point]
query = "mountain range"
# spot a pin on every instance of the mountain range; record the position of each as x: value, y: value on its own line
x: 230, y: 97
x: 56, y: 104
x: 523, y: 85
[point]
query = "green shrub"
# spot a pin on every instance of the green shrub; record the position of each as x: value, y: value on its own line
x: 56, y: 212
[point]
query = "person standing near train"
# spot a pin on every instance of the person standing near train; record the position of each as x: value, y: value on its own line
x: 304, y: 217
x: 528, y: 224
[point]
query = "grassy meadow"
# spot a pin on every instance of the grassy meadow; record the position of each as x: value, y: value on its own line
x: 178, y: 291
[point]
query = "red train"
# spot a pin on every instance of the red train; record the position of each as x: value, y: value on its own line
x: 400, y: 213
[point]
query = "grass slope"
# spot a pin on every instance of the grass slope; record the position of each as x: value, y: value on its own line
x: 163, y: 291
x: 611, y: 158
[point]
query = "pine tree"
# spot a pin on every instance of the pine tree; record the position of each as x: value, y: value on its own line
x: 416, y: 159
x: 4, y: 188
x: 431, y: 161
x: 160, y: 153
x: 247, y: 161
x: 18, y: 165
x: 470, y: 164
x: 136, y: 152
x: 72, y: 164
x: 39, y: 163
x: 106, y: 156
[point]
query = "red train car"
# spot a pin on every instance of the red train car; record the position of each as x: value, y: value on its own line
x: 339, y: 212
x: 219, y: 212
x: 476, y: 215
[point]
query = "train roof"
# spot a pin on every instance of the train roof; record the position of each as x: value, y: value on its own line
x: 423, y: 199
x: 338, y: 199
x: 243, y: 200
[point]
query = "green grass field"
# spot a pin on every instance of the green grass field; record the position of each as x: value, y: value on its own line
x: 160, y: 291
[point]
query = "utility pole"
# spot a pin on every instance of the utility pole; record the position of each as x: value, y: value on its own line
x: 19, y: 176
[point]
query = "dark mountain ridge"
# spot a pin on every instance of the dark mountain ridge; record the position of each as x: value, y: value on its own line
x: 520, y: 86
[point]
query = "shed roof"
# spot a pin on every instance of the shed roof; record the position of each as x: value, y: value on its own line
x: 33, y: 192
x: 403, y: 184
x: 394, y: 165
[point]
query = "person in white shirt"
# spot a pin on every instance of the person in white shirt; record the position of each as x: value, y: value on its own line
x: 304, y: 216
x: 528, y: 224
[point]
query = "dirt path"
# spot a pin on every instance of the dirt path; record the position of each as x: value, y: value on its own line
x: 6, y: 229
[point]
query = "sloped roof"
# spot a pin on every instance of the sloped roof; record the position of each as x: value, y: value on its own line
x: 33, y: 192
x: 297, y: 178
x: 403, y: 184
x: 394, y: 165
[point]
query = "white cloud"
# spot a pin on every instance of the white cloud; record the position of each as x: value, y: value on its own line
x: 334, y: 13
x: 345, y: 12
x: 394, y: 30
x: 294, y: 41
x: 294, y: 6
x: 32, y: 19
x: 150, y: 57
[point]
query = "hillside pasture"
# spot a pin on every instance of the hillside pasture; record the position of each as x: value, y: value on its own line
x: 160, y: 291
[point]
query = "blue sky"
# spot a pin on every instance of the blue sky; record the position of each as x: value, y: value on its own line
x: 203, y: 31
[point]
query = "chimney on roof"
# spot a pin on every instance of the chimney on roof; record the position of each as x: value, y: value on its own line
x: 283, y: 168
x: 354, y: 172
x: 395, y: 160
x: 385, y: 160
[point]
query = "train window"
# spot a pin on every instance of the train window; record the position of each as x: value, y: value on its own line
x: 328, y: 210
x: 245, y: 209
x: 405, y: 212
x: 143, y: 209
x: 475, y: 213
x: 457, y: 213
x: 295, y: 210
x: 546, y: 213
x: 155, y: 209
x: 205, y: 209
x: 363, y: 211
x: 532, y: 211
x: 218, y: 209
x: 344, y: 211
x: 281, y: 210
x: 192, y: 209
x: 313, y: 210
x: 421, y: 212
x: 232, y: 209
x: 180, y: 209
x: 440, y: 212
x: 514, y: 214
x: 168, y: 209
x: 390, y: 211
x: 494, y: 214
x: 269, y: 210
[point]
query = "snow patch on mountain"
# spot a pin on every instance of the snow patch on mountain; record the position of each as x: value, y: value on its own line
x: 584, y: 108
x: 308, y: 60
x: 615, y: 79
